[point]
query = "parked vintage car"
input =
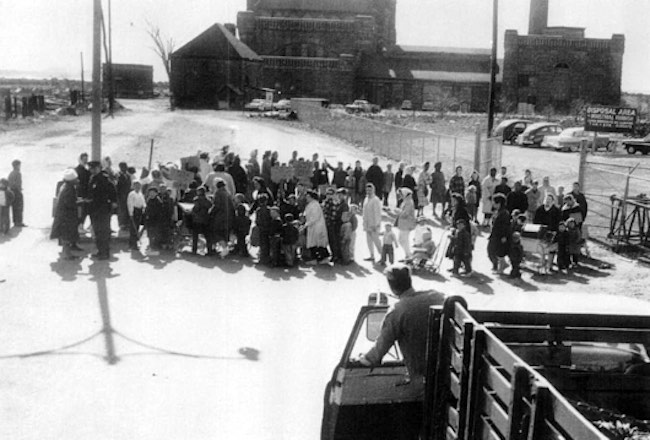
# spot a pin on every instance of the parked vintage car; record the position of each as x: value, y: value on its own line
x: 634, y: 145
x: 260, y: 105
x: 406, y: 105
x: 509, y: 129
x: 534, y: 134
x: 571, y: 140
x: 283, y: 104
x: 427, y: 106
x: 362, y: 106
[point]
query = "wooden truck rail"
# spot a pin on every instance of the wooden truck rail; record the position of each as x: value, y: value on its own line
x: 505, y: 375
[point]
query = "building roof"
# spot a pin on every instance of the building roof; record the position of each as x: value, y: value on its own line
x: 440, y: 49
x: 355, y: 6
x: 382, y: 68
x: 219, y: 43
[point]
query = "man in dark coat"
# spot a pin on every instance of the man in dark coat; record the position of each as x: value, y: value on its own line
x: 154, y: 219
x: 101, y: 200
x: 503, y: 187
x: 517, y: 199
x: 548, y: 214
x: 499, y: 240
x: 123, y: 188
x: 375, y: 175
x: 84, y: 179
x: 65, y: 225
x: 580, y: 199
x: 222, y: 217
x: 15, y: 180
x: 338, y: 179
x: 239, y: 176
x: 201, y: 221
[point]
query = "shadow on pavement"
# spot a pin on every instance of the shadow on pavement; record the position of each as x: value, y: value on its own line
x: 13, y: 233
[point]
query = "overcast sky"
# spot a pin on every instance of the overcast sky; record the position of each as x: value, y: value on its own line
x: 45, y: 37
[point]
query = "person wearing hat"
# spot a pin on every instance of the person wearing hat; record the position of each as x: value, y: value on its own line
x: 406, y: 323
x: 15, y: 180
x: 317, y: 239
x: 66, y: 215
x: 101, y: 201
x: 332, y: 221
x: 82, y: 187
x: 499, y: 240
x: 222, y: 216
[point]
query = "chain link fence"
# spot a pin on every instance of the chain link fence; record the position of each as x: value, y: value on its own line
x: 617, y: 188
x: 403, y: 144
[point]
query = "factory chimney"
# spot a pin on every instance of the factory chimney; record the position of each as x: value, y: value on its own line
x: 538, y: 20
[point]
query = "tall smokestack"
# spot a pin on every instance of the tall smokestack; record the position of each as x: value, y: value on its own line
x: 538, y: 20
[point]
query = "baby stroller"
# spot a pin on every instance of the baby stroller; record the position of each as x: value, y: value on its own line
x: 182, y: 232
x: 427, y: 255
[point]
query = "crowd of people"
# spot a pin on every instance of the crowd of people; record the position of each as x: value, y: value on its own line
x: 232, y: 203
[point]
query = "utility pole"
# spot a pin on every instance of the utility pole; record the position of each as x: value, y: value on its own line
x: 83, y: 95
x: 111, y: 88
x: 493, y: 66
x: 96, y: 128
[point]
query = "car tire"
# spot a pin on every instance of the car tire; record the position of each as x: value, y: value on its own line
x: 631, y: 149
x: 574, y: 148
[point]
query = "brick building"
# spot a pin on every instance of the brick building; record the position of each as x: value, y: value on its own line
x: 558, y: 66
x: 340, y: 50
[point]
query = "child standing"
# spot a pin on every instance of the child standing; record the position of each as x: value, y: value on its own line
x: 462, y: 248
x: 242, y: 229
x: 290, y: 236
x: 575, y: 242
x: 516, y: 255
x: 562, y: 240
x: 389, y: 242
x: 345, y: 235
x: 471, y: 201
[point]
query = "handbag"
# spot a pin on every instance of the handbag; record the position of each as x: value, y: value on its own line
x: 255, y: 236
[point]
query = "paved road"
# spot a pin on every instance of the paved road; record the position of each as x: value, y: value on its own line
x: 204, y: 348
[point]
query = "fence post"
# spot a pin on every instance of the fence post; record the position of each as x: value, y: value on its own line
x: 583, y: 165
x: 477, y: 149
x: 438, y: 150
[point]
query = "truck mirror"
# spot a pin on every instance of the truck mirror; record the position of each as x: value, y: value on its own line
x: 373, y: 325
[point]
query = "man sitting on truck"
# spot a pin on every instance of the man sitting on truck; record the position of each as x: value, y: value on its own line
x: 405, y: 323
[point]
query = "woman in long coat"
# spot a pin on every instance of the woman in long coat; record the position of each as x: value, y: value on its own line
x: 317, y: 241
x: 487, y: 191
x: 424, y: 180
x: 406, y: 222
x: 66, y: 215
x: 222, y: 217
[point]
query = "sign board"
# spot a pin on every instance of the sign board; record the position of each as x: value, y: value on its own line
x: 303, y: 170
x: 610, y: 119
x: 181, y: 177
x: 190, y: 162
x: 281, y: 172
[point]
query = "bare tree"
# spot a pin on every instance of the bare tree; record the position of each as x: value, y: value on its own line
x: 164, y: 47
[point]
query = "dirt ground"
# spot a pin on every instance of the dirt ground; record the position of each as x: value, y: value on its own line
x: 207, y: 348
